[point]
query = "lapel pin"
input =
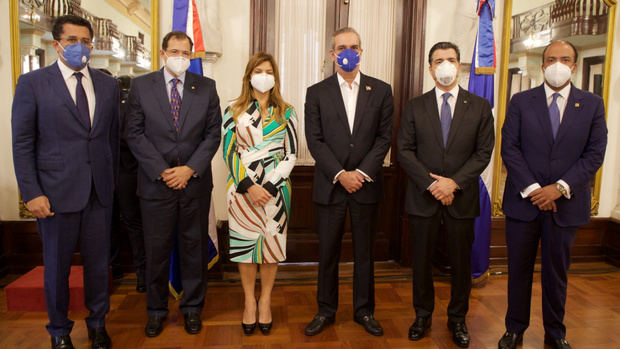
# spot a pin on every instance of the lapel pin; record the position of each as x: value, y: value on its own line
x: 576, y: 105
x: 368, y: 88
x: 465, y: 101
x: 193, y: 87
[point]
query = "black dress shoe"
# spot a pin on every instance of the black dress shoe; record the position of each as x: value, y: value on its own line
x: 193, y: 324
x: 460, y: 336
x: 371, y: 325
x: 62, y: 342
x: 318, y: 324
x: 154, y: 326
x: 510, y: 340
x: 100, y: 338
x: 248, y: 329
x: 265, y: 328
x: 141, y: 283
x: 419, y: 327
x: 557, y: 343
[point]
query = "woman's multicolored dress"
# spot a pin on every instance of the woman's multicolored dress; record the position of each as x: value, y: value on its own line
x: 261, y: 151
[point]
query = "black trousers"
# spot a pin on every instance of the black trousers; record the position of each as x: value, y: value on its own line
x: 129, y: 207
x: 189, y: 218
x: 522, y: 239
x: 90, y: 228
x: 459, y: 240
x: 330, y: 226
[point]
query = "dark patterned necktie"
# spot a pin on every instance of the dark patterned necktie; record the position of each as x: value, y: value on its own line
x: 175, y: 103
x: 81, y: 101
x: 446, y: 117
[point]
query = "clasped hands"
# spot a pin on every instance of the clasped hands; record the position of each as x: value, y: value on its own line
x: 259, y: 195
x: 177, y: 177
x: 545, y: 197
x: 443, y: 189
x: 351, y: 181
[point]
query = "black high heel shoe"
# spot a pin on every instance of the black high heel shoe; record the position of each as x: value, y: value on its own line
x: 248, y: 329
x: 265, y: 328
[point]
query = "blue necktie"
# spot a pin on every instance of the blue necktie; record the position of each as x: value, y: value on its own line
x: 81, y: 101
x: 175, y: 103
x: 554, y: 114
x: 446, y: 117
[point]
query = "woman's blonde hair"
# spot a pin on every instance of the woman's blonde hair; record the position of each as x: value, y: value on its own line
x: 247, y: 93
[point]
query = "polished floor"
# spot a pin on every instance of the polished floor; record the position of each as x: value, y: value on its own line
x: 592, y: 319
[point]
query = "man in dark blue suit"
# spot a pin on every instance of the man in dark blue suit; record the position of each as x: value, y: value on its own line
x: 173, y: 129
x: 65, y: 152
x: 553, y: 142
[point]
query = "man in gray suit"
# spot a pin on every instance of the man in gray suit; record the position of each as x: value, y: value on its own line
x: 444, y: 143
x: 174, y: 130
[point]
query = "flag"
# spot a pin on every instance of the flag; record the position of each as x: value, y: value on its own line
x: 481, y: 83
x: 185, y: 18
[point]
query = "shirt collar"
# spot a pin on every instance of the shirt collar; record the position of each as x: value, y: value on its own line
x: 563, y: 92
x: 68, y: 72
x: 454, y: 92
x: 341, y: 80
x: 168, y: 77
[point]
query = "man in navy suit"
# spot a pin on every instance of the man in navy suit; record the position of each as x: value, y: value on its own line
x: 65, y: 152
x: 553, y: 142
x: 173, y: 129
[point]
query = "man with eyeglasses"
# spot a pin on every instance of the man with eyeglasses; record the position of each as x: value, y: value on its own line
x: 65, y: 151
x: 173, y: 129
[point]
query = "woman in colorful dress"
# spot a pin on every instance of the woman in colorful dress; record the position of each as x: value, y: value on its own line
x: 259, y: 147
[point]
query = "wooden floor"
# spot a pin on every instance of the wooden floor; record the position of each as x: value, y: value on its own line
x: 592, y: 319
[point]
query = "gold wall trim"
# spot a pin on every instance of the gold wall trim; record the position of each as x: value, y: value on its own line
x: 15, y: 53
x: 154, y: 35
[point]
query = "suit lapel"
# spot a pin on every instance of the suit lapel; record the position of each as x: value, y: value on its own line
x: 571, y: 112
x: 337, y: 100
x: 60, y: 86
x: 161, y: 94
x: 189, y: 90
x: 430, y: 102
x: 363, y: 95
x: 98, y: 97
x: 539, y: 103
x: 460, y: 111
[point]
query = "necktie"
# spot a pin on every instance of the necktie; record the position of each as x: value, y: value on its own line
x: 81, y: 101
x: 554, y: 114
x: 446, y: 117
x: 175, y: 103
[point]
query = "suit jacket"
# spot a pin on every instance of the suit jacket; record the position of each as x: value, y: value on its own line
x: 54, y: 153
x: 531, y: 155
x: 155, y: 143
x: 127, y: 162
x: 335, y: 148
x: 466, y: 154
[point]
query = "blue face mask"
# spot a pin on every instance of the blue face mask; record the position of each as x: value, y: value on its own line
x: 76, y: 55
x: 348, y: 60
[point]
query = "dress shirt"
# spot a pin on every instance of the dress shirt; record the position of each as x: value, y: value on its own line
x: 451, y: 101
x: 87, y: 83
x: 349, y: 98
x: 561, y: 102
x: 168, y: 80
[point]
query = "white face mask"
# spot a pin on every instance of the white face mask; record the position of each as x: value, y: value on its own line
x: 263, y: 82
x: 445, y: 73
x: 557, y: 74
x: 177, y: 64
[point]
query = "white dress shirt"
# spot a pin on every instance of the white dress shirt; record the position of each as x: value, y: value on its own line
x: 451, y: 101
x: 561, y: 102
x: 349, y: 98
x: 168, y: 80
x: 87, y: 83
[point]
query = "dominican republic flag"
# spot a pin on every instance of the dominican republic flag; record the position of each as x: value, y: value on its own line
x: 185, y: 18
x: 481, y: 83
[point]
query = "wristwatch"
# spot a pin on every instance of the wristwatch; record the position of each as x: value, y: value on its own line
x: 561, y: 189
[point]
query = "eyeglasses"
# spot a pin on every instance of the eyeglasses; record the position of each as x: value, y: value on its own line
x: 73, y: 40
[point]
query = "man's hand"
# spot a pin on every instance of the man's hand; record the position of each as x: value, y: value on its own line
x: 352, y: 181
x: 447, y: 201
x: 176, y: 177
x: 39, y: 207
x: 443, y: 188
x: 545, y: 197
x: 259, y: 195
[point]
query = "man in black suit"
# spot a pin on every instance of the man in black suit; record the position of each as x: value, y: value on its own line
x: 445, y: 141
x: 348, y: 128
x: 173, y: 129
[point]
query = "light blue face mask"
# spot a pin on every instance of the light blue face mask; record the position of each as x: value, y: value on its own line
x: 76, y: 55
x: 348, y: 60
